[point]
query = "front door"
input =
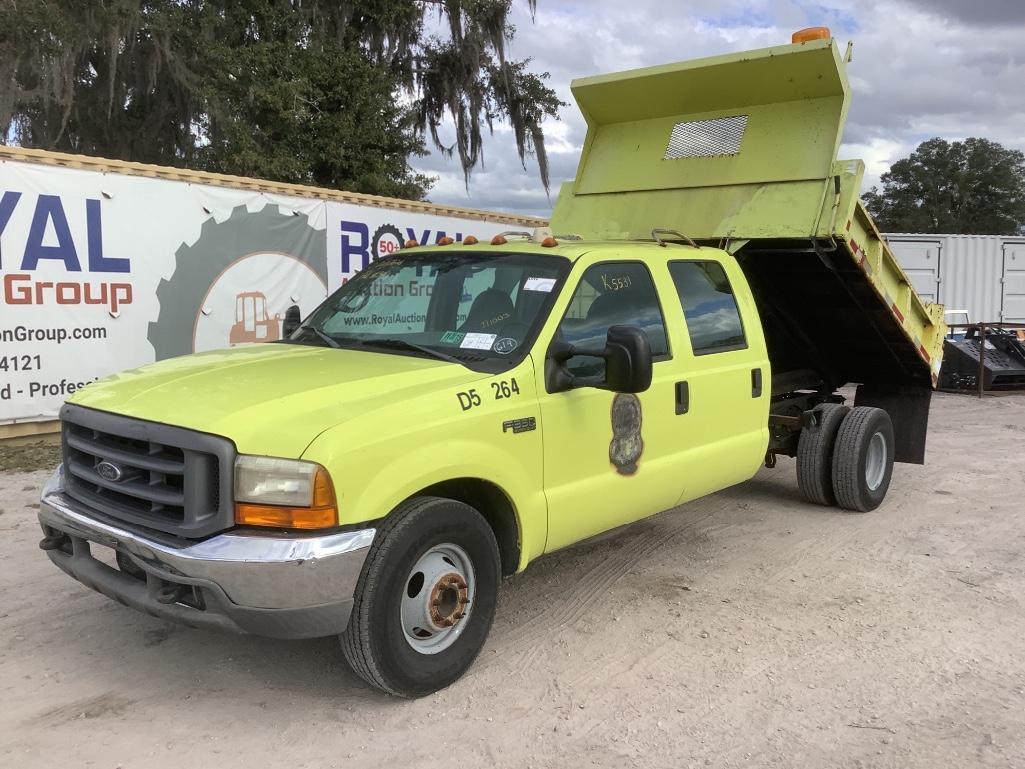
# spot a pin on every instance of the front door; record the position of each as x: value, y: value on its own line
x: 608, y: 457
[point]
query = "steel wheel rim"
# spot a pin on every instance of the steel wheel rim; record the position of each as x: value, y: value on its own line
x: 437, y: 598
x: 875, y: 462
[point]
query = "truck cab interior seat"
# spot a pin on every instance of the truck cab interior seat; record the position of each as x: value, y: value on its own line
x: 489, y: 312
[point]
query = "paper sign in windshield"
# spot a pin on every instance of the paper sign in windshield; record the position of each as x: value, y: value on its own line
x: 539, y: 284
x: 478, y: 341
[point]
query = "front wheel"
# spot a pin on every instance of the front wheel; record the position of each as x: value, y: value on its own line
x: 863, y: 459
x: 426, y: 598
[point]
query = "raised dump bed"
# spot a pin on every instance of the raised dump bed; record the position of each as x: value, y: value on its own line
x: 739, y: 151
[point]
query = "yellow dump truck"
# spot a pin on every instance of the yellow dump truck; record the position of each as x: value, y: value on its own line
x: 454, y: 412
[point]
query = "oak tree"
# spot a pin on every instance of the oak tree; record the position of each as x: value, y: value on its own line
x: 974, y: 187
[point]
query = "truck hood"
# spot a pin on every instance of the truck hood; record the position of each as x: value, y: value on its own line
x: 269, y: 399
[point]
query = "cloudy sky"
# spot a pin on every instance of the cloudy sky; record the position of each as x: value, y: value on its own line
x: 921, y: 68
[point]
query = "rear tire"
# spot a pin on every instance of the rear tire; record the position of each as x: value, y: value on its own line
x: 815, y: 454
x: 425, y: 600
x: 863, y: 459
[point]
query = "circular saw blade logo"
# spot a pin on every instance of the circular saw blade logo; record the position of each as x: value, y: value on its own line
x: 232, y: 284
x: 387, y: 240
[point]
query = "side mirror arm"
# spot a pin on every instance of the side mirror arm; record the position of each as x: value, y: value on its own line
x: 557, y: 378
x: 291, y: 322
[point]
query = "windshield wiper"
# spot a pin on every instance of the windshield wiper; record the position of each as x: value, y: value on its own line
x: 331, y: 342
x: 402, y: 344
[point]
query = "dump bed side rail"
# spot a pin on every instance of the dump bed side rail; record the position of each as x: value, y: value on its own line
x: 846, y: 220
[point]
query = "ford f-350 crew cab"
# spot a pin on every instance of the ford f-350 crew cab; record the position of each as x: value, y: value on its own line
x: 453, y: 413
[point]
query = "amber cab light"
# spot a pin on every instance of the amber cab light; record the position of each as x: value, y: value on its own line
x: 411, y: 243
x: 498, y: 240
x: 470, y: 240
x: 445, y: 241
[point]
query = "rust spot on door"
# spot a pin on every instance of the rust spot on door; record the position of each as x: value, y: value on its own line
x: 627, y: 445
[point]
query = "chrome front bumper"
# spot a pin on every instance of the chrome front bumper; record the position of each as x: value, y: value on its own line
x: 256, y: 582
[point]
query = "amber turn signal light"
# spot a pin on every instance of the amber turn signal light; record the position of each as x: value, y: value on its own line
x: 321, y: 514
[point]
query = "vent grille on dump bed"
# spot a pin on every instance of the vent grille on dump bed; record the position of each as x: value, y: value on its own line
x: 706, y: 138
x: 160, y: 477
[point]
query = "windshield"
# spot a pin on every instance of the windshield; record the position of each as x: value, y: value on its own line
x: 457, y: 306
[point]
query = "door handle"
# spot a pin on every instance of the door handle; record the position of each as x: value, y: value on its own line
x: 756, y: 383
x: 682, y: 397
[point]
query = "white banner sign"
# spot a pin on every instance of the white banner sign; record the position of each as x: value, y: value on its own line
x: 103, y: 272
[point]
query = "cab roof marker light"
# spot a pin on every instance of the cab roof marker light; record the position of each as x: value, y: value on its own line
x: 470, y: 240
x: 549, y: 241
x: 445, y: 241
x: 499, y: 240
x: 411, y: 243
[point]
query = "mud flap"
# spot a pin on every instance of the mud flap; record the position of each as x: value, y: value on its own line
x: 908, y: 407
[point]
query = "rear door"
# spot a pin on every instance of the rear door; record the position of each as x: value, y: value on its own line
x: 716, y: 330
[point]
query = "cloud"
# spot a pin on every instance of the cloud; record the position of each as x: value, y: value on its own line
x: 975, y: 13
x: 921, y: 68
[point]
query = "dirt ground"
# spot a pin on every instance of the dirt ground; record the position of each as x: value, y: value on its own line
x: 748, y: 629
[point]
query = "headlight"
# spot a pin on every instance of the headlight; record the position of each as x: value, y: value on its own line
x: 287, y: 493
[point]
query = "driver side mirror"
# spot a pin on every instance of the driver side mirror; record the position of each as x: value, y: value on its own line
x: 291, y: 322
x: 627, y: 356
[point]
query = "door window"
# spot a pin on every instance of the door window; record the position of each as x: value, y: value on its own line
x: 713, y: 318
x: 611, y: 294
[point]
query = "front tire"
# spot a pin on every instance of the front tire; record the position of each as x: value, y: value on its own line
x: 863, y: 459
x: 425, y: 599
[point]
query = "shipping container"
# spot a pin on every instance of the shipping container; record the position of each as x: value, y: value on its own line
x: 981, y: 274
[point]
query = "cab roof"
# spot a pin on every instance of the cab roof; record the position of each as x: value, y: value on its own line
x: 568, y: 249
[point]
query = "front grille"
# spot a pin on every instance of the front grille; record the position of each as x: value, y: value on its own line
x: 157, y: 476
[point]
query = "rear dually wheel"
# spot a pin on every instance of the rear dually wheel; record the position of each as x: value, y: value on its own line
x: 863, y: 459
x: 815, y: 454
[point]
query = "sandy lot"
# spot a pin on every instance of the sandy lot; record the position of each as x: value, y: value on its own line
x: 748, y: 629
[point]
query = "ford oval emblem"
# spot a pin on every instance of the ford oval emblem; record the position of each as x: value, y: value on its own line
x: 108, y: 471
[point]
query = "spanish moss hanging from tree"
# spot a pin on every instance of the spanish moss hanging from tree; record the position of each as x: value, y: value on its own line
x: 337, y: 94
